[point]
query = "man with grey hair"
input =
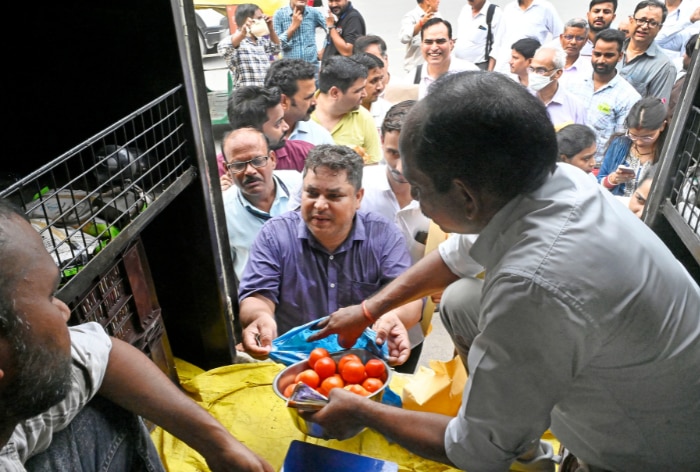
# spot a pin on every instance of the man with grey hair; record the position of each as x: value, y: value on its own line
x: 572, y: 41
x: 546, y: 68
x: 306, y: 264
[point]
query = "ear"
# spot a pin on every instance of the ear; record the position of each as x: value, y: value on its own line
x: 468, y: 199
x: 334, y: 92
x: 558, y: 74
x: 358, y: 198
x: 286, y: 102
x: 273, y: 159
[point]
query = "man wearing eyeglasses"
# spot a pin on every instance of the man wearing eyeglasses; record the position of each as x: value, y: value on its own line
x: 257, y: 193
x: 572, y: 41
x: 436, y: 46
x: 543, y: 75
x: 644, y: 64
x: 606, y: 95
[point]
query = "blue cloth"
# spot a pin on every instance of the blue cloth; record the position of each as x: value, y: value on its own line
x: 288, y: 266
x: 616, y: 154
x: 311, y: 132
x: 302, y: 44
x: 102, y: 437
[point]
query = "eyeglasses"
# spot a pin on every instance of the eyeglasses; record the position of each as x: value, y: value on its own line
x: 439, y: 41
x: 256, y: 162
x: 646, y: 21
x: 644, y: 139
x: 569, y: 37
x: 539, y: 70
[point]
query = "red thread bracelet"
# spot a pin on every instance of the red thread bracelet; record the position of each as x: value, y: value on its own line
x: 366, y: 312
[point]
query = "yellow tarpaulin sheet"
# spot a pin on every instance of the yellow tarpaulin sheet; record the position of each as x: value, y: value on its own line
x: 242, y: 398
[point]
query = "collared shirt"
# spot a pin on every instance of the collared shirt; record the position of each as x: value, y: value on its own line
x: 378, y: 111
x: 413, y: 55
x: 311, y: 132
x: 579, y: 70
x: 356, y: 128
x: 350, y: 26
x: 90, y: 347
x: 678, y: 29
x: 470, y: 43
x: 302, y: 44
x: 587, y: 49
x: 540, y: 21
x: 379, y: 198
x: 248, y: 62
x: 651, y: 73
x: 607, y: 107
x: 243, y: 220
x: 292, y: 155
x: 456, y: 65
x: 288, y: 266
x: 609, y: 355
x: 565, y: 108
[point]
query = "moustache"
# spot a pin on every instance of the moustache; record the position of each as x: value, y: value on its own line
x: 250, y: 180
x: 311, y: 109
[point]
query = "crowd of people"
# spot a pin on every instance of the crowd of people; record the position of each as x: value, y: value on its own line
x: 517, y: 135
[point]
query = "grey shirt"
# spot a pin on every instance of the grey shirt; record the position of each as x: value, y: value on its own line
x: 651, y: 73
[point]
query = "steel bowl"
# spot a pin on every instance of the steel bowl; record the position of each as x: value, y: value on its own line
x: 286, y: 377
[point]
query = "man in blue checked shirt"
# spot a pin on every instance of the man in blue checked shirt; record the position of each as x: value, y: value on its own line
x: 296, y: 27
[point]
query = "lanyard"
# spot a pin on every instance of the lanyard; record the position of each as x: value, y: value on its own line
x: 264, y: 216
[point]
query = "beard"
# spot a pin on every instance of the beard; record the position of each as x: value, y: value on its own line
x: 279, y: 144
x: 42, y: 379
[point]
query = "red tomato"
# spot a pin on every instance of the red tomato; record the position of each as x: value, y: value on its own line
x: 375, y: 368
x: 289, y: 389
x: 346, y: 358
x: 358, y: 389
x: 316, y: 354
x: 372, y: 384
x: 329, y: 383
x: 325, y: 367
x: 309, y: 377
x: 353, y: 372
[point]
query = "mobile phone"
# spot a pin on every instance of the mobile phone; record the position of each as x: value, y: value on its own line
x: 625, y: 169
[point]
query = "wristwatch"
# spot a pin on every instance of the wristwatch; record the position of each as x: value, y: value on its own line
x: 331, y: 27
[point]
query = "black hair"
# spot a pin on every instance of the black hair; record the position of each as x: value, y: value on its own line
x: 10, y: 323
x: 436, y: 21
x: 573, y: 139
x: 363, y: 42
x: 370, y: 61
x: 649, y: 113
x: 499, y: 140
x: 611, y: 36
x: 248, y: 105
x: 284, y: 74
x: 341, y: 72
x: 653, y: 4
x: 395, y: 116
x: 526, y: 47
x: 245, y: 11
x: 336, y: 158
x: 596, y: 2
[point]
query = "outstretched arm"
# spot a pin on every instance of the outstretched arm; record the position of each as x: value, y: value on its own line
x: 427, y: 276
x: 259, y: 326
x: 135, y: 383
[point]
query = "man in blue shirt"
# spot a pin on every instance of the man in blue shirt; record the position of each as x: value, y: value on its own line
x: 304, y: 265
x: 296, y: 27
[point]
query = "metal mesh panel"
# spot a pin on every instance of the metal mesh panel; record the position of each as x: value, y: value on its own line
x: 685, y: 194
x: 83, y: 199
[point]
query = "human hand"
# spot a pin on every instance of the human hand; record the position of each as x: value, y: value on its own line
x: 390, y: 328
x: 268, y: 20
x: 621, y: 176
x: 348, y: 323
x: 226, y: 182
x: 338, y: 417
x: 258, y: 336
x: 237, y: 457
x: 297, y: 17
x: 436, y: 297
x: 695, y: 16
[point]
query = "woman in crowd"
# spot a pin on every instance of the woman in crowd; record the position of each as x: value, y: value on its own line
x: 629, y: 155
x: 577, y: 146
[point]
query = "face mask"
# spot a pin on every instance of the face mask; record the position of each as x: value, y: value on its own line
x: 259, y: 28
x: 537, y: 82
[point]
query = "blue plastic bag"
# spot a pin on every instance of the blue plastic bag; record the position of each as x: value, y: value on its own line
x: 293, y: 347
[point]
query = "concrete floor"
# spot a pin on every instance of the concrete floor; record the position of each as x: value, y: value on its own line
x: 437, y: 345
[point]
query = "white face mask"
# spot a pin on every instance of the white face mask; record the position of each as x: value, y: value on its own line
x: 537, y: 82
x: 259, y: 28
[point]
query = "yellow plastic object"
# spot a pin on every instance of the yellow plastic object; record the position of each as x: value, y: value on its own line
x: 269, y: 7
x: 438, y: 389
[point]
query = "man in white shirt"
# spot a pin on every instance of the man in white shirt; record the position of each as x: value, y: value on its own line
x: 411, y: 25
x: 560, y: 338
x: 473, y: 30
x: 572, y: 41
x: 525, y: 18
x: 680, y: 24
x: 373, y: 101
x: 437, y: 45
x: 601, y: 14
